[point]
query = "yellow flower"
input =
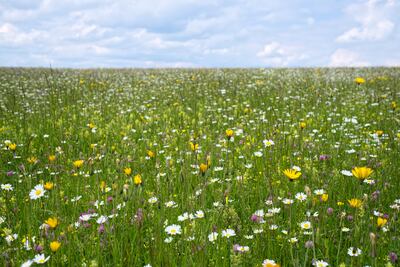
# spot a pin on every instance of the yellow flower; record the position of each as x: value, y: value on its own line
x: 55, y: 245
x: 379, y: 132
x: 150, y: 154
x: 12, y: 146
x: 194, y: 146
x: 127, y: 171
x: 394, y: 105
x: 78, y: 163
x: 91, y: 125
x: 324, y: 197
x: 229, y: 133
x: 303, y: 125
x: 381, y: 221
x: 52, y: 222
x: 362, y: 173
x: 48, y: 185
x: 359, y: 80
x: 32, y: 160
x: 103, y: 185
x: 340, y: 203
x: 137, y: 180
x: 203, y: 168
x: 355, y: 203
x: 292, y: 174
x: 52, y: 158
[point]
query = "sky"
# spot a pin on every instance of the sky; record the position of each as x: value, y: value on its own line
x: 199, y: 33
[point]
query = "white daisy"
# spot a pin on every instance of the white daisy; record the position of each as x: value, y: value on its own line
x: 173, y: 229
x: 40, y: 259
x: 228, y: 233
x: 213, y: 236
x: 37, y: 192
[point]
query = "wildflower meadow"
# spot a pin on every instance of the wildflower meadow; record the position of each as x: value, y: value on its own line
x: 200, y: 167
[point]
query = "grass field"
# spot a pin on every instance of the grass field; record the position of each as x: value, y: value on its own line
x: 228, y: 167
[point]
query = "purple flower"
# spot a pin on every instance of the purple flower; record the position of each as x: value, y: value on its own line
x: 323, y: 157
x: 329, y: 211
x: 10, y: 173
x: 393, y: 257
x: 38, y: 248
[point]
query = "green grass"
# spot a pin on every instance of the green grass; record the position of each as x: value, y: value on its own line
x: 130, y: 112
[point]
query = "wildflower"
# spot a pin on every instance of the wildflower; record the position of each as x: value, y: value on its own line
x: 293, y: 240
x: 7, y: 187
x: 102, y: 219
x: 51, y: 158
x: 258, y: 154
x: 203, y: 168
x: 48, y: 185
x: 270, y: 263
x: 212, y: 237
x: 354, y: 252
x: 78, y: 163
x: 152, y: 200
x: 12, y: 146
x: 55, y: 245
x: 268, y: 143
x: 346, y: 173
x: 359, y: 80
x: 362, y: 173
x: 229, y: 133
x: 52, y: 222
x: 150, y: 154
x: 240, y: 249
x: 199, y: 214
x: 37, y: 192
x: 301, y: 196
x: 394, y: 105
x: 137, y: 180
x: 324, y: 197
x: 303, y: 125
x: 194, y: 146
x: 32, y: 160
x: 40, y: 259
x: 393, y: 257
x: 320, y: 263
x: 228, y: 233
x: 309, y: 244
x: 355, y: 203
x: 381, y: 222
x: 27, y: 263
x: 292, y: 174
x: 306, y: 225
x: 173, y: 229
x: 127, y: 171
x: 171, y: 204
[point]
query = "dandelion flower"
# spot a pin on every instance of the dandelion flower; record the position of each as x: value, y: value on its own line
x: 381, y: 221
x: 52, y: 222
x: 362, y: 173
x: 355, y: 203
x: 127, y: 171
x: 48, y: 185
x: 229, y: 133
x: 292, y: 174
x: 55, y: 245
x: 137, y: 180
x: 78, y: 163
x: 359, y: 80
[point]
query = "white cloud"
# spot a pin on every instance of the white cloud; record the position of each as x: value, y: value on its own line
x: 275, y: 54
x: 10, y: 34
x: 346, y: 58
x: 374, y: 19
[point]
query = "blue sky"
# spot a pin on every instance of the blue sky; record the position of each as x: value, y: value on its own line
x: 206, y: 33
